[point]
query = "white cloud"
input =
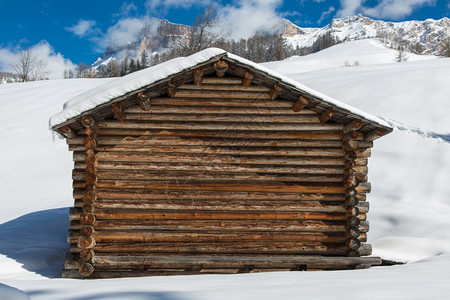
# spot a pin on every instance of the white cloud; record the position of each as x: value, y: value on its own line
x: 395, y: 9
x: 123, y: 32
x: 325, y: 14
x: 55, y: 62
x: 165, y: 5
x: 392, y: 9
x: 126, y: 9
x: 82, y: 28
x: 248, y: 17
x: 349, y: 8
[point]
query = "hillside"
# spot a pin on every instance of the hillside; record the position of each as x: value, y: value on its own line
x: 409, y: 171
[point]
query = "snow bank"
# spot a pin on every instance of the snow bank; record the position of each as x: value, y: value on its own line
x: 10, y: 293
x: 349, y: 54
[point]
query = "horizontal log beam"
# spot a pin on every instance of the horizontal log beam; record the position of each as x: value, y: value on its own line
x: 222, y: 80
x: 255, y: 247
x: 216, y: 168
x: 236, y: 118
x: 205, y: 176
x: 214, y: 215
x: 146, y: 194
x: 232, y: 261
x: 221, y: 126
x: 225, y: 225
x: 224, y: 87
x: 198, y: 205
x: 209, y: 149
x: 224, y: 134
x: 214, y: 142
x: 213, y: 158
x: 239, y: 107
x: 222, y: 187
x: 133, y: 236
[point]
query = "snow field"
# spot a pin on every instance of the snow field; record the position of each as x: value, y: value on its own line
x: 409, y: 171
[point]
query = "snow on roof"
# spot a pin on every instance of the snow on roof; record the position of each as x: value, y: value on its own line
x: 137, y: 80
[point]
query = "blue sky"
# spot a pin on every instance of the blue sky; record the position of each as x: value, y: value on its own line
x: 78, y: 31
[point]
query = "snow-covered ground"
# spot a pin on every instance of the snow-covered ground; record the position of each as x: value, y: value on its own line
x: 409, y: 171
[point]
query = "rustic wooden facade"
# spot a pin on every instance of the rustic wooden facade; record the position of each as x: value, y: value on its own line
x: 219, y: 168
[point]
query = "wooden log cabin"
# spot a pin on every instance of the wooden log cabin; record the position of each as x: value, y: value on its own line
x: 214, y: 164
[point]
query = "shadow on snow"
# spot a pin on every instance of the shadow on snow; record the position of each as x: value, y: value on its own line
x: 37, y: 240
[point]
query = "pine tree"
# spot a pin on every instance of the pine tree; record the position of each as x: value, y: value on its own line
x: 124, y: 67
x: 132, y: 66
x: 144, y: 60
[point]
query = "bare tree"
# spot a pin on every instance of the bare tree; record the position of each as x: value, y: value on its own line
x: 200, y: 35
x: 446, y: 48
x: 29, y: 67
x: 401, y: 54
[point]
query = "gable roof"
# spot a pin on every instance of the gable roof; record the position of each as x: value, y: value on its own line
x: 152, y: 79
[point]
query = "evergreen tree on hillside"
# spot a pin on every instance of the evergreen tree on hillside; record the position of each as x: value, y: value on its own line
x: 144, y: 60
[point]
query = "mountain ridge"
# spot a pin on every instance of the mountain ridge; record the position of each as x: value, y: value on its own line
x: 429, y: 37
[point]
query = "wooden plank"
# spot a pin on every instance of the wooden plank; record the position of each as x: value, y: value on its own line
x: 281, y: 188
x: 209, y: 141
x: 170, y: 176
x: 250, y: 109
x: 256, y: 247
x: 221, y: 94
x: 238, y: 150
x: 224, y: 261
x: 217, y: 117
x: 213, y: 159
x: 262, y: 101
x: 146, y: 194
x: 133, y: 236
x: 216, y: 168
x: 221, y: 80
x: 214, y: 215
x: 225, y: 225
x: 229, y: 126
x: 226, y: 134
x: 198, y: 205
x: 224, y: 87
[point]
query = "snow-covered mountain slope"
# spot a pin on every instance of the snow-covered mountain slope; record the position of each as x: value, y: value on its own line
x: 410, y: 199
x: 427, y: 37
x: 355, y: 53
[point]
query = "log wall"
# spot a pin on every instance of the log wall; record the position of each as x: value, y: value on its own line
x: 218, y: 178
